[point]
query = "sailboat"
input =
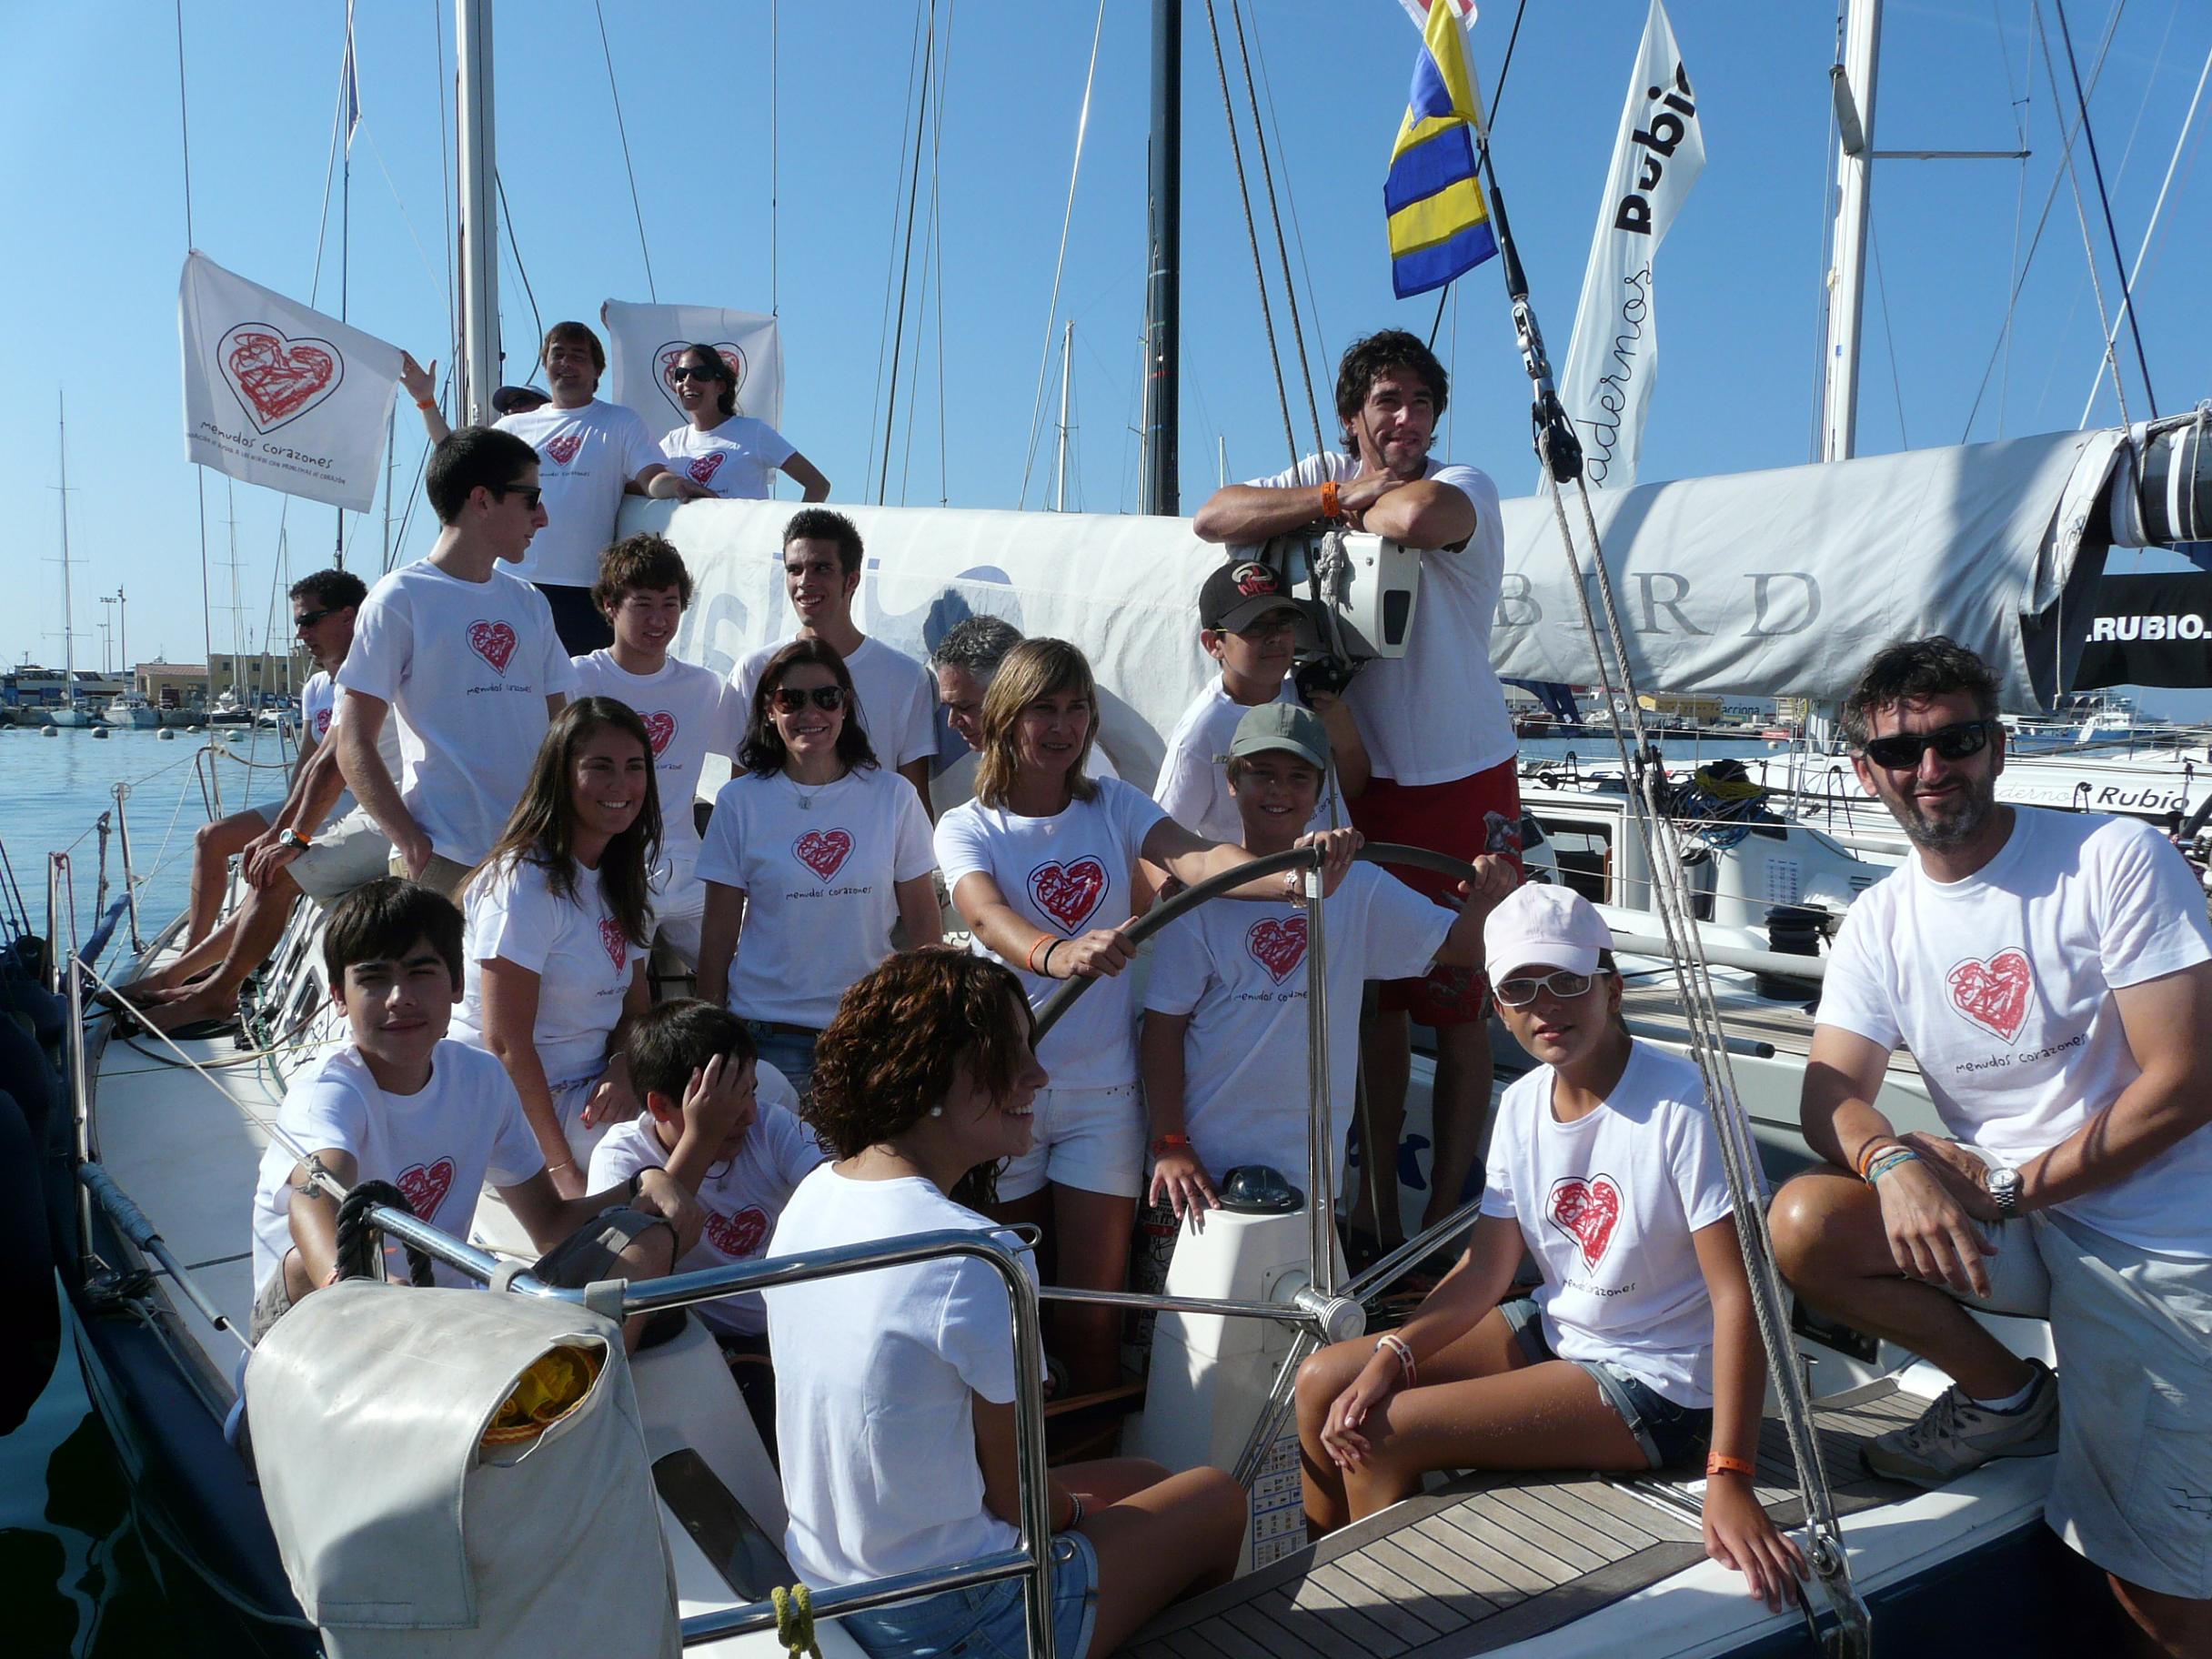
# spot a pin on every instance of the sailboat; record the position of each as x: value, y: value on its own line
x: 71, y: 714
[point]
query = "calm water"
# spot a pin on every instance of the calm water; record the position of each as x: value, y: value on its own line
x: 75, y: 1576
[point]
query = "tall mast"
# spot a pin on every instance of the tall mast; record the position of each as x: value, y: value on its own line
x: 480, y: 364
x: 68, y: 615
x: 1853, y: 84
x: 1159, y: 492
x: 1067, y: 369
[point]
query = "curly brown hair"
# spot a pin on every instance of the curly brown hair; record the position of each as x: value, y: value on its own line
x: 900, y: 1036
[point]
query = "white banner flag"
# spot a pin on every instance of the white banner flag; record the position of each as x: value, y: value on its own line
x: 643, y: 341
x: 1614, y: 353
x: 278, y: 395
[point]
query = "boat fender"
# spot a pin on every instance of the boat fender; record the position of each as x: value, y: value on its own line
x: 30, y: 1311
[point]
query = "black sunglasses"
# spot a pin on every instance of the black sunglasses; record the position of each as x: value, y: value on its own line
x: 681, y: 372
x: 1901, y: 750
x: 300, y: 625
x: 531, y: 494
x: 790, y: 700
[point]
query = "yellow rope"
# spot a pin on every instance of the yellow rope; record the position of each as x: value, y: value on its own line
x: 795, y: 1620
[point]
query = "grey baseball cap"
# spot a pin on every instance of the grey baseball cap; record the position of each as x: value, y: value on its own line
x: 1288, y: 727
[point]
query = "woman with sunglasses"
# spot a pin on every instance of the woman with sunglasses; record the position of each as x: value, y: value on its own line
x: 813, y: 854
x: 1640, y: 1349
x: 719, y: 449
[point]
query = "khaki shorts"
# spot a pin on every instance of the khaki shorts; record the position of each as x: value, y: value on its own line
x: 444, y: 874
x: 347, y: 852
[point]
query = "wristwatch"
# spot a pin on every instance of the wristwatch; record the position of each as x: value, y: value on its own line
x: 293, y: 838
x: 2005, y: 1192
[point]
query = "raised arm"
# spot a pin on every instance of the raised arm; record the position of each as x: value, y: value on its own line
x: 372, y: 785
x: 421, y: 384
x: 658, y: 482
x: 1422, y: 513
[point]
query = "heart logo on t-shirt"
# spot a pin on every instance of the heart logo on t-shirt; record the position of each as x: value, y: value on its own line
x: 1069, y: 893
x: 1993, y: 993
x: 702, y: 467
x: 659, y: 727
x: 1278, y: 945
x: 823, y: 851
x: 277, y: 380
x: 322, y: 724
x: 563, y: 447
x: 616, y: 941
x: 425, y: 1186
x: 1585, y: 1210
x: 737, y: 1236
x: 493, y: 641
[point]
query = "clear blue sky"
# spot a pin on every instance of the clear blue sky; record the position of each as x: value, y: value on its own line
x: 93, y: 198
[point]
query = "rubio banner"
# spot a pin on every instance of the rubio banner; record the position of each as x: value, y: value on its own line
x: 1614, y: 353
x: 643, y: 341
x: 277, y: 394
x: 2148, y: 630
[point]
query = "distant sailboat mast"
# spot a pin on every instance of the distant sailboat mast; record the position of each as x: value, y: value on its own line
x: 68, y: 612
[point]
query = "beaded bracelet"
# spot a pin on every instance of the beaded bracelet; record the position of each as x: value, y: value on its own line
x: 1882, y: 1166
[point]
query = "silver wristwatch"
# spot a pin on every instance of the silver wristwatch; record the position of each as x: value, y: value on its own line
x: 2005, y: 1192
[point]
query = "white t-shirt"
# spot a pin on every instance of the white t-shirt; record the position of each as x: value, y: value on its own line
x: 1193, y: 779
x: 584, y: 457
x: 317, y: 698
x: 736, y: 460
x: 816, y: 865
x: 896, y: 695
x: 741, y: 1197
x: 2001, y: 985
x: 874, y: 1372
x: 439, y: 1145
x: 689, y: 712
x: 956, y: 783
x: 576, y: 948
x: 1066, y: 874
x: 1607, y: 1204
x: 1437, y: 713
x: 467, y: 667
x: 1239, y: 970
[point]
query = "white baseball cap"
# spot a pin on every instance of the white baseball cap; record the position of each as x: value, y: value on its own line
x: 1539, y: 925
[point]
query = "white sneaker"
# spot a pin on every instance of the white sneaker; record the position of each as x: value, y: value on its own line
x: 1956, y: 1435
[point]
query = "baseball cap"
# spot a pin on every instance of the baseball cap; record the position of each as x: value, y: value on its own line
x: 1538, y: 924
x: 517, y: 399
x: 1289, y: 727
x: 1234, y: 594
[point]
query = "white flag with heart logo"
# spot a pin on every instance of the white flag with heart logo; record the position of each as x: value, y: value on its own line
x: 278, y: 395
x: 644, y: 341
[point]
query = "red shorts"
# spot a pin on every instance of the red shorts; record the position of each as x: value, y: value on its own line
x: 1463, y: 819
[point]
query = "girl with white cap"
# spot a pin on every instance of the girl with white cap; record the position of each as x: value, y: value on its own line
x: 1639, y: 1346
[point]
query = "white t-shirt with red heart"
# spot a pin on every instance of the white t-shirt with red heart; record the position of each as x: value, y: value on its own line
x: 317, y: 698
x: 689, y: 713
x: 741, y: 1196
x: 2001, y: 985
x: 585, y: 459
x: 576, y: 948
x: 818, y: 864
x: 1193, y: 787
x: 439, y: 1145
x: 1066, y: 874
x: 1607, y: 1205
x: 897, y: 697
x: 1239, y: 970
x: 738, y: 459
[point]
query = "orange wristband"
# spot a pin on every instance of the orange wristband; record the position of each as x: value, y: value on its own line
x: 1330, y: 507
x: 1866, y: 1152
x: 1044, y: 942
x: 426, y: 403
x: 1717, y: 1464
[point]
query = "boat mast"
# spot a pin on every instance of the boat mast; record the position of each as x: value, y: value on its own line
x: 69, y: 623
x: 1159, y: 492
x: 479, y: 355
x: 1067, y: 368
x: 1853, y: 81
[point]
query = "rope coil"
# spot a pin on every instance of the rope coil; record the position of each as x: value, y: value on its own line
x: 795, y: 1620
x: 357, y: 1236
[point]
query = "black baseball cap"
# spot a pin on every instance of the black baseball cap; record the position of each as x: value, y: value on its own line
x: 518, y: 399
x: 1236, y: 594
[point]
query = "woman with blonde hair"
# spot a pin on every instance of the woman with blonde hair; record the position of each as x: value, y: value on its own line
x: 1041, y: 865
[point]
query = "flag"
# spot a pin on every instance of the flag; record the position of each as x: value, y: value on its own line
x: 1439, y: 225
x: 349, y: 89
x: 644, y: 341
x: 1418, y: 10
x: 277, y: 394
x: 1614, y: 355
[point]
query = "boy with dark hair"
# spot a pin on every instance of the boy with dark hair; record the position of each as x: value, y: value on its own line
x: 689, y: 712
x: 437, y: 1119
x: 723, y: 1125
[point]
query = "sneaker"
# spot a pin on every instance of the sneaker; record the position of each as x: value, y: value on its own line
x: 1954, y: 1434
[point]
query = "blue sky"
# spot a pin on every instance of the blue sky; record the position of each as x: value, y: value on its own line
x: 94, y: 198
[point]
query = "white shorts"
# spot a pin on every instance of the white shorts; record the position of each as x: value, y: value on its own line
x: 677, y: 911
x: 1092, y: 1139
x: 346, y: 852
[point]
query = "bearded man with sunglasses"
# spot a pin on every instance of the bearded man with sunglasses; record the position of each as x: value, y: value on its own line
x: 2051, y: 972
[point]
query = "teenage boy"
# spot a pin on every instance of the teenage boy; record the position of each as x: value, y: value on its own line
x: 724, y: 1125
x: 437, y: 1119
x: 467, y: 656
x: 689, y: 711
x: 821, y: 573
x: 1224, y: 1049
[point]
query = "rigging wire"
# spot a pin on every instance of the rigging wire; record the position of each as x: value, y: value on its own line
x: 775, y: 127
x: 883, y: 323
x: 622, y: 132
x: 1482, y: 129
x: 2019, y: 201
x: 2112, y: 231
x: 199, y: 474
x: 937, y: 226
x: 513, y: 248
x: 1290, y: 195
x: 1881, y: 288
x: 1282, y: 252
x: 446, y: 183
x: 906, y: 258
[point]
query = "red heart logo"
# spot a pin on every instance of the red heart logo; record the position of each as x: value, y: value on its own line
x: 563, y: 447
x: 737, y: 1236
x: 616, y: 941
x: 703, y: 468
x: 669, y: 355
x: 425, y: 1186
x: 1069, y: 894
x: 1585, y: 1210
x: 823, y: 851
x: 322, y: 724
x: 1993, y: 993
x: 1278, y: 945
x: 493, y: 641
x: 277, y: 380
x: 659, y: 727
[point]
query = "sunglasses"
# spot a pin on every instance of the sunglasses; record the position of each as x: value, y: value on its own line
x: 681, y: 372
x: 1901, y: 750
x: 301, y: 624
x: 1564, y: 986
x: 531, y: 494
x: 790, y: 700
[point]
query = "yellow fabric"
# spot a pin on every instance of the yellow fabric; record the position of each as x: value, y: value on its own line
x: 1446, y: 43
x: 1437, y: 219
x: 553, y: 1385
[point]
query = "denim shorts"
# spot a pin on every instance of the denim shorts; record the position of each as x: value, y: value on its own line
x: 987, y: 1621
x: 790, y: 1053
x: 1669, y: 1433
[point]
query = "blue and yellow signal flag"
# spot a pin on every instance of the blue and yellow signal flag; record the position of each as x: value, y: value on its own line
x: 1439, y: 225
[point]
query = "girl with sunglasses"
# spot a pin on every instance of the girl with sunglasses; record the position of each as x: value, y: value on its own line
x: 1640, y: 1348
x: 813, y: 854
x: 733, y: 454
